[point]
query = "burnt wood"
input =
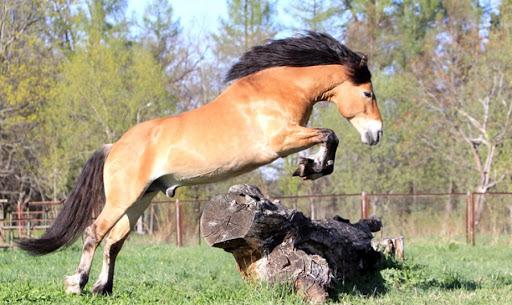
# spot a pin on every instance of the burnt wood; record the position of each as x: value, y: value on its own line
x: 272, y: 243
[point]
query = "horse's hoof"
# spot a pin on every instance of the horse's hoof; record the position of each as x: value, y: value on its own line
x: 72, y: 284
x: 309, y: 169
x: 306, y: 166
x: 328, y: 168
x: 100, y: 288
x: 299, y: 172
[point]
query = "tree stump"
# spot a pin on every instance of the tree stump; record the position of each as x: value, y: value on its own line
x: 276, y: 244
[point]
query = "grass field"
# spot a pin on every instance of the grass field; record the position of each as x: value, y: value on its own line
x: 434, y: 273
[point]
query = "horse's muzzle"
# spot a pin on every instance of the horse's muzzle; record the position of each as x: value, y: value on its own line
x: 369, y: 129
x: 372, y: 137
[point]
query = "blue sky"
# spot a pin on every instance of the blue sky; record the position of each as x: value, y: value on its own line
x: 196, y: 15
x: 200, y: 15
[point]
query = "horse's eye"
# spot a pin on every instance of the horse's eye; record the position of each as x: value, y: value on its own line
x: 368, y: 94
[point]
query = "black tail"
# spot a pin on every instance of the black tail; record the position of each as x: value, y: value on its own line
x: 76, y: 215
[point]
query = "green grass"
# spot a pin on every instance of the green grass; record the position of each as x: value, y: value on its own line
x: 434, y: 273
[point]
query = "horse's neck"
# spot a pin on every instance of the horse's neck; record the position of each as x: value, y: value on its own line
x: 295, y: 89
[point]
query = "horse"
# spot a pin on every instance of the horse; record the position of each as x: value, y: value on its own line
x: 261, y: 116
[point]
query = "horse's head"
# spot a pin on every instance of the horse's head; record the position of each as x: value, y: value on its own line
x: 356, y: 101
x: 358, y: 104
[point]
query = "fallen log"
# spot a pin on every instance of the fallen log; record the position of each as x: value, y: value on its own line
x: 276, y: 244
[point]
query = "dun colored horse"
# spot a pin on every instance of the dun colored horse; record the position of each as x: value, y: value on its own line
x: 260, y: 117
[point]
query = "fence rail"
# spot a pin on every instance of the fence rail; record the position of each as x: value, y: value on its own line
x: 435, y: 214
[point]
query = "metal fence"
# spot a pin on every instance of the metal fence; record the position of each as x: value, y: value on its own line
x: 443, y: 216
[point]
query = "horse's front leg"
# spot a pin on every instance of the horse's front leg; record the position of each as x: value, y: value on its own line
x: 318, y: 165
x: 321, y: 163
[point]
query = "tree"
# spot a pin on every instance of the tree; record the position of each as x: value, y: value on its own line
x: 27, y: 71
x: 62, y: 25
x: 472, y: 98
x: 314, y: 15
x: 160, y: 31
x: 406, y: 160
x: 162, y: 34
x: 107, y: 86
x: 250, y: 23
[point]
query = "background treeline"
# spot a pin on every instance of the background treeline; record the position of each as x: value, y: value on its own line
x: 76, y: 74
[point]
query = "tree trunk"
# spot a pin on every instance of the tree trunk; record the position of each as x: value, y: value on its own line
x: 480, y: 203
x: 275, y: 244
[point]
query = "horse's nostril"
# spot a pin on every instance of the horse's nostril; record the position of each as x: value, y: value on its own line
x: 368, y: 137
x: 380, y: 133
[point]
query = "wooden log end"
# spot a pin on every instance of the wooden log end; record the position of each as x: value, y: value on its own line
x: 391, y: 246
x: 225, y: 220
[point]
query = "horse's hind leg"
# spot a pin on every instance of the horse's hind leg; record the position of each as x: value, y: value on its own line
x: 75, y: 283
x: 94, y: 234
x: 114, y: 242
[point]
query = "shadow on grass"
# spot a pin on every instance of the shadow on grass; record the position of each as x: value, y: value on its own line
x: 401, y: 275
x: 370, y: 284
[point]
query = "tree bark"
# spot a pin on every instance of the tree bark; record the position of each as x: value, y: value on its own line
x: 275, y: 244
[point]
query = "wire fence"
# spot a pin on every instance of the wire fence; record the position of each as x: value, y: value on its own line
x: 473, y: 216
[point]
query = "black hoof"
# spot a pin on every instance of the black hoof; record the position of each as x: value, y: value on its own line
x: 328, y: 169
x: 305, y: 167
x: 102, y: 289
x: 309, y: 169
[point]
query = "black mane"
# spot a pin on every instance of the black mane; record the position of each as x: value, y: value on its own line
x: 311, y: 49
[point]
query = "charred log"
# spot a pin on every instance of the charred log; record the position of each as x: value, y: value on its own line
x: 276, y: 244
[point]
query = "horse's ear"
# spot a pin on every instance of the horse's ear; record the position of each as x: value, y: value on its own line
x: 364, y: 61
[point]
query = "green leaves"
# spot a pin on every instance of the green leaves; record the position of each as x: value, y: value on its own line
x: 105, y: 86
x: 73, y: 79
x: 250, y: 22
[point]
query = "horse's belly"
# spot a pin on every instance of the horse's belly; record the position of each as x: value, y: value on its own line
x: 218, y: 172
x: 195, y: 171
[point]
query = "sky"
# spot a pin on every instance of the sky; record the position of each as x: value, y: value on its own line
x: 194, y: 15
x: 201, y: 16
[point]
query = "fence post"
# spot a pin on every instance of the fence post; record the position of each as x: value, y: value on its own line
x: 179, y: 225
x: 198, y: 222
x: 399, y: 248
x: 11, y: 233
x: 470, y: 219
x: 29, y: 228
x: 19, y: 221
x: 151, y: 218
x: 364, y: 205
x: 312, y: 209
x: 139, y: 226
x: 3, y: 239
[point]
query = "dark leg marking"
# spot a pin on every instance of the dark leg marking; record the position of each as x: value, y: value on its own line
x: 323, y: 163
x: 106, y: 287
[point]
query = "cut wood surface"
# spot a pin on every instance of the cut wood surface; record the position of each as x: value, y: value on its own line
x: 276, y: 244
